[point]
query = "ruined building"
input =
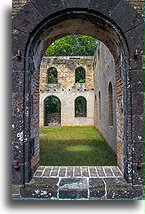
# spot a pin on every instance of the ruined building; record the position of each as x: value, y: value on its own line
x: 89, y: 101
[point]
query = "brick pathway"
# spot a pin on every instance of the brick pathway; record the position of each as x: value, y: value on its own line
x: 78, y: 172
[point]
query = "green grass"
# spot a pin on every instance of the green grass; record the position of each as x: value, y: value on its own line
x: 74, y: 146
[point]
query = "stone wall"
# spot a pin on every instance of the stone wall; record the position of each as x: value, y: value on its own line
x: 67, y: 90
x: 104, y: 74
x: 53, y: 119
x: 138, y: 5
x: 17, y: 4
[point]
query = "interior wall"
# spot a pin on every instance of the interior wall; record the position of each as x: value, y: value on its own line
x: 104, y: 73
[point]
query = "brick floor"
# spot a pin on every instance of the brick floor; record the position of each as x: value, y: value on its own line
x: 78, y: 171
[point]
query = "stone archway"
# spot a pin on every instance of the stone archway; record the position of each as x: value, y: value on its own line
x: 118, y: 26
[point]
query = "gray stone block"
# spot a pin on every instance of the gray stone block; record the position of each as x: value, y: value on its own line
x: 47, y: 8
x: 27, y: 19
x: 105, y: 7
x: 73, y: 194
x: 96, y: 188
x: 126, y: 17
x: 76, y: 3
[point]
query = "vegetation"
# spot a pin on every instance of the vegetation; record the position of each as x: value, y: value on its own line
x: 52, y: 105
x: 52, y: 76
x: 73, y: 45
x: 74, y: 146
x: 80, y: 75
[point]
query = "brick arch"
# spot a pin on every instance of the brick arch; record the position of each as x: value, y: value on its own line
x: 118, y: 26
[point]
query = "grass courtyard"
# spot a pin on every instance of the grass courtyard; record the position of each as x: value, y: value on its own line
x: 74, y: 146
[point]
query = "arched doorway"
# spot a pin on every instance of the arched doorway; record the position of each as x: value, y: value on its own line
x: 52, y: 111
x: 44, y: 25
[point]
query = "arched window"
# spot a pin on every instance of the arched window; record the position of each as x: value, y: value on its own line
x: 80, y: 107
x: 52, y: 111
x: 110, y: 104
x: 52, y: 75
x: 99, y: 106
x: 80, y: 75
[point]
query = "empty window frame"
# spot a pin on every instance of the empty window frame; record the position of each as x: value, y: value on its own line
x: 52, y: 75
x: 80, y: 75
x: 110, y: 104
x: 80, y: 107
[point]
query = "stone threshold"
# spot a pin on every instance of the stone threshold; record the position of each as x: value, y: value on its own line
x: 78, y: 183
x: 78, y: 171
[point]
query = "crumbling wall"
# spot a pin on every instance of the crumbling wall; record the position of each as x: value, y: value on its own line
x: 67, y: 90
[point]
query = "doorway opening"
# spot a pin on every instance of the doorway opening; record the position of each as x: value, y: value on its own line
x: 52, y: 111
x: 82, y: 68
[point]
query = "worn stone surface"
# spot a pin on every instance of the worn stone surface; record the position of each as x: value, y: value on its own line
x: 137, y: 128
x: 76, y: 4
x: 105, y: 7
x: 137, y: 81
x: 73, y: 194
x: 19, y: 41
x: 128, y: 21
x: 135, y: 37
x: 73, y: 183
x: 97, y: 188
x: 119, y: 189
x: 28, y: 19
x: 16, y: 5
x: 78, y: 189
x: 137, y: 102
x: 138, y: 152
x: 46, y: 7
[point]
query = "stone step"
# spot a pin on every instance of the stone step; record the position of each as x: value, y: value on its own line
x: 79, y: 189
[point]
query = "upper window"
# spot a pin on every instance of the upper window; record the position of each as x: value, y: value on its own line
x: 52, y: 75
x: 110, y: 104
x: 80, y: 75
x: 80, y: 107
